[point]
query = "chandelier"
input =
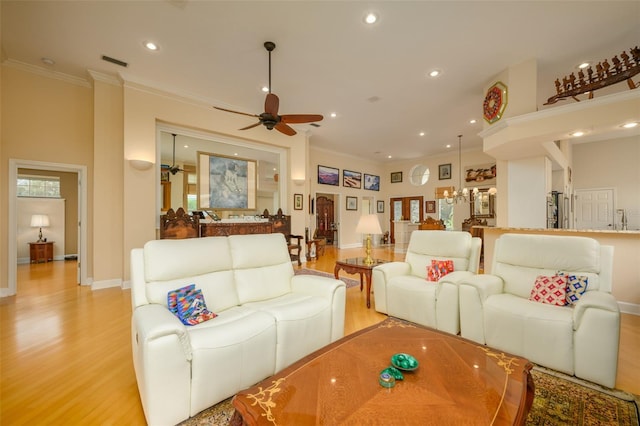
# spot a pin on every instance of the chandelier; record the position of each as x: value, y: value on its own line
x: 459, y: 195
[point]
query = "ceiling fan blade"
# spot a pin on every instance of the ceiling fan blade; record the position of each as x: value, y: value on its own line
x: 283, y: 128
x: 271, y: 104
x: 236, y: 112
x: 301, y: 118
x: 250, y: 127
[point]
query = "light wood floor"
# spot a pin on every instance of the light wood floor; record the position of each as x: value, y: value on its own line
x: 66, y: 351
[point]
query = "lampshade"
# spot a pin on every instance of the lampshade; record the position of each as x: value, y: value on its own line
x: 368, y: 224
x: 39, y: 220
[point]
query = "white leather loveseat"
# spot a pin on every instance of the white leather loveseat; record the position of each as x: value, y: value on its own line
x: 579, y: 339
x: 267, y: 319
x: 401, y: 290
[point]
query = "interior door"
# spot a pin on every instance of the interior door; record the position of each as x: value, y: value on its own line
x: 405, y: 208
x: 594, y: 209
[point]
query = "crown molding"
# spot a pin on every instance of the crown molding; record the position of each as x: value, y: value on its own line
x: 44, y: 72
x: 105, y: 78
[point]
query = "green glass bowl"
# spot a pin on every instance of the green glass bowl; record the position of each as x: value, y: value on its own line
x: 404, y: 362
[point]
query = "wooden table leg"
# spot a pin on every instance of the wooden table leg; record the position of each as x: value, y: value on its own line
x: 368, y: 274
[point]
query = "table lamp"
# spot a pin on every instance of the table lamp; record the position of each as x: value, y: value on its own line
x: 39, y: 221
x: 368, y: 224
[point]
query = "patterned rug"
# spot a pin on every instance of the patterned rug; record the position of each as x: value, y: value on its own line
x: 559, y: 400
x: 348, y: 281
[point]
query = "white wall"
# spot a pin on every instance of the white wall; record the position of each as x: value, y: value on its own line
x: 529, y: 182
x: 52, y: 207
x: 611, y: 164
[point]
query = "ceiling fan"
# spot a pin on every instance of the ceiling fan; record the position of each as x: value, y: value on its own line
x: 270, y: 118
x: 174, y: 169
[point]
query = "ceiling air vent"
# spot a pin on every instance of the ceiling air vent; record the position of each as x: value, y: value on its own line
x: 314, y: 124
x: 114, y: 61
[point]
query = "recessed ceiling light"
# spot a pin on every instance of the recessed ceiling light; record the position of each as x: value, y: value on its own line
x: 388, y: 156
x: 577, y: 134
x: 48, y: 61
x: 473, y: 121
x: 584, y: 65
x: 630, y: 125
x: 333, y: 115
x: 265, y: 89
x: 421, y: 133
x: 448, y: 145
x: 370, y: 18
x: 151, y: 45
x: 185, y: 146
x: 434, y: 73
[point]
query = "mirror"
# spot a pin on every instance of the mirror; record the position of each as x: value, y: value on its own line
x: 482, y: 204
x: 419, y: 175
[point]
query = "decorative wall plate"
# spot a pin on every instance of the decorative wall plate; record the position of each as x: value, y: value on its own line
x: 495, y: 102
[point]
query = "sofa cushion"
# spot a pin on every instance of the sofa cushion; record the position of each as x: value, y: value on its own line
x: 551, y: 290
x: 425, y: 246
x: 412, y: 299
x: 262, y: 266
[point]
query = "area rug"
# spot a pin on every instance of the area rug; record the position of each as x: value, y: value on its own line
x: 348, y: 281
x: 559, y: 400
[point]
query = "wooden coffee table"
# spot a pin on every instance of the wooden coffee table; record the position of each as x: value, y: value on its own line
x: 457, y: 382
x: 356, y: 265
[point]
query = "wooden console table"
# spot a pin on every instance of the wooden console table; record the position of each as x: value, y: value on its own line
x: 223, y: 229
x: 41, y: 251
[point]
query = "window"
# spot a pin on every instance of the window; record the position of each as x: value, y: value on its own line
x: 38, y: 186
x: 190, y: 189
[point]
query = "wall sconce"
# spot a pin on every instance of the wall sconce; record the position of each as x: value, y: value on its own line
x: 298, y: 182
x: 141, y: 164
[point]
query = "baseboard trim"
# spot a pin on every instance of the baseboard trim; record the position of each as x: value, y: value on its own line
x: 100, y: 285
x: 629, y: 308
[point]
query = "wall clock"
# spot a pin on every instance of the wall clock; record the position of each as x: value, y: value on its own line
x: 495, y: 102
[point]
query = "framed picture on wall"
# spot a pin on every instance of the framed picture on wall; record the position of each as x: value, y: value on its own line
x: 351, y: 179
x: 371, y: 182
x: 226, y: 183
x: 297, y: 201
x: 380, y: 206
x: 430, y: 206
x: 444, y: 171
x: 328, y: 175
x: 352, y: 203
x: 396, y: 177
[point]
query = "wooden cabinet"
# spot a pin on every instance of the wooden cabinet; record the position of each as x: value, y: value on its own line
x: 222, y: 229
x: 41, y: 252
x: 325, y: 225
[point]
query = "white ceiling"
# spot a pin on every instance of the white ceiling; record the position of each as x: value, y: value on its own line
x: 326, y: 59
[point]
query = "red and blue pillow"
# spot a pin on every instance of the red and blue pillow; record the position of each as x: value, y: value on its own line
x: 560, y: 289
x: 438, y: 269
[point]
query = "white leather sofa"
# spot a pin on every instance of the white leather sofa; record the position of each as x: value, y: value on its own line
x: 580, y: 340
x: 267, y: 319
x: 401, y: 290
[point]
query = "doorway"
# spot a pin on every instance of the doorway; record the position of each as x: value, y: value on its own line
x: 327, y: 217
x: 405, y: 208
x: 14, y: 165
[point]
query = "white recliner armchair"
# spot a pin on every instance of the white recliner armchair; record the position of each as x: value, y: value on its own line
x: 579, y: 339
x: 401, y: 289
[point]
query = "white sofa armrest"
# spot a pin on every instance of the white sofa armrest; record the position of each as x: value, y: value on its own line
x: 447, y: 301
x: 152, y: 322
x: 328, y: 288
x: 593, y: 300
x: 162, y: 360
x: 473, y: 291
x: 380, y: 276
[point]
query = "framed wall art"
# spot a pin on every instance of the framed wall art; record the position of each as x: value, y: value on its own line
x: 351, y: 179
x: 396, y: 177
x: 328, y: 175
x: 444, y: 171
x: 371, y: 182
x: 430, y: 206
x: 352, y: 203
x: 380, y: 206
x: 297, y: 201
x: 226, y: 183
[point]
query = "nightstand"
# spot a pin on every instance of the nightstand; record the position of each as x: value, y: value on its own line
x: 41, y: 251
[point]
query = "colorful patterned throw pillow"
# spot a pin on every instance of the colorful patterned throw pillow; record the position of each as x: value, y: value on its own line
x: 189, y: 305
x: 576, y: 286
x: 438, y: 269
x: 550, y: 290
x: 174, y: 295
